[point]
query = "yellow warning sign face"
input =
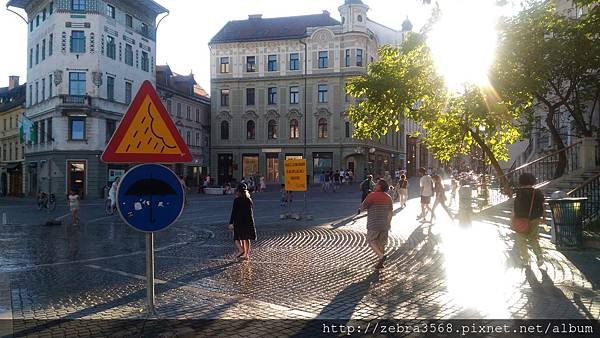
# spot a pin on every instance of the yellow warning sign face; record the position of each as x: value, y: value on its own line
x: 295, y: 175
x: 146, y: 134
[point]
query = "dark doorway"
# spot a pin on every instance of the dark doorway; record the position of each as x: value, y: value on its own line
x: 225, y: 168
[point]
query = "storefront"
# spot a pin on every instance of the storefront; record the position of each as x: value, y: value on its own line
x: 322, y: 162
x: 272, y: 167
x: 249, y: 165
x: 76, y: 177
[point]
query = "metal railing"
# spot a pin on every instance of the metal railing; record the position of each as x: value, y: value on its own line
x: 590, y: 189
x: 546, y: 167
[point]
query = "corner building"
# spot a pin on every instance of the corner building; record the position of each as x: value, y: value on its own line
x: 277, y: 88
x: 86, y: 59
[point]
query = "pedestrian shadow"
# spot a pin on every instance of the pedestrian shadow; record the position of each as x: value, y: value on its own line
x: 541, y: 290
x: 348, y: 220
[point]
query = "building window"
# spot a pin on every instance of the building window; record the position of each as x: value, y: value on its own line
x: 77, y: 42
x: 51, y: 7
x: 77, y: 83
x: 49, y: 131
x: 43, y: 49
x: 198, y: 115
x: 272, y: 129
x: 359, y: 18
x: 111, y: 48
x: 31, y: 26
x: 250, y: 64
x: 347, y: 129
x: 127, y: 92
x: 197, y: 144
x: 224, y: 97
x: 43, y: 89
x: 323, y: 93
x: 44, y: 15
x: 272, y: 63
x: 50, y: 44
x: 224, y: 64
x: 179, y: 109
x: 128, y: 54
x: 111, y: 126
x: 189, y: 113
x: 37, y: 91
x: 30, y: 57
x: 323, y: 128
x: 188, y: 138
x: 169, y: 106
x: 347, y: 58
x: 78, y: 5
x: 250, y: 96
x: 294, y: 61
x: 272, y: 95
x: 250, y: 130
x: 145, y: 63
x: 42, y: 133
x: 144, y: 29
x: 224, y: 130
x: 30, y: 95
x: 110, y: 88
x: 323, y: 59
x: 37, y: 20
x: 359, y: 57
x: 77, y: 128
x: 128, y: 21
x: 110, y: 11
x: 50, y: 85
x: 294, y: 95
x: 37, y: 53
x: 294, y: 130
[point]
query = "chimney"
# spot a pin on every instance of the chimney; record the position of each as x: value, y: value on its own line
x: 254, y: 16
x: 13, y: 82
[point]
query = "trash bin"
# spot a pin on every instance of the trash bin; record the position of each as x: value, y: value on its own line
x: 567, y: 214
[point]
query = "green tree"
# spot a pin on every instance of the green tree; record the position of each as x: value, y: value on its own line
x: 403, y: 83
x: 552, y: 60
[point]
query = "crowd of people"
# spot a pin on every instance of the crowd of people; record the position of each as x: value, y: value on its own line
x: 332, y: 181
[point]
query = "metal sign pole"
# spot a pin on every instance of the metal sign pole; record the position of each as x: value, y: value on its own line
x: 150, y: 271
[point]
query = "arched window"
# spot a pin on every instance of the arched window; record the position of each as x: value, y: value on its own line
x: 272, y: 129
x: 359, y: 18
x: 323, y: 128
x: 250, y: 130
x: 294, y: 131
x: 224, y: 130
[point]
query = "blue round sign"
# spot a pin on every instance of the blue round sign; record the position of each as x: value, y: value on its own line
x: 150, y: 197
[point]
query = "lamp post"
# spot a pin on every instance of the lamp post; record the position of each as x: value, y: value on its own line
x: 484, y: 191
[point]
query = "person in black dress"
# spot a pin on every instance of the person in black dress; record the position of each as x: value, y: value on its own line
x: 242, y: 221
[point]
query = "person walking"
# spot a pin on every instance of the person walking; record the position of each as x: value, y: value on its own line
x: 73, y: 200
x: 426, y: 186
x: 242, y: 221
x: 263, y: 184
x: 440, y: 197
x: 379, y: 207
x: 529, y: 203
x: 366, y: 187
x: 112, y: 193
x: 403, y: 190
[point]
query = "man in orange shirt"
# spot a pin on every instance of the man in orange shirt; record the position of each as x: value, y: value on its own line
x: 379, y: 206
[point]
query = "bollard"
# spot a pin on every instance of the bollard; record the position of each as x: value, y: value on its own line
x: 465, y: 208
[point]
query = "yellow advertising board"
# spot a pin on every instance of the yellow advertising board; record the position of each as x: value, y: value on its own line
x: 295, y: 175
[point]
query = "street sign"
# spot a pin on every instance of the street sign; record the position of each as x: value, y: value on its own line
x: 150, y: 197
x: 146, y: 134
x: 295, y: 175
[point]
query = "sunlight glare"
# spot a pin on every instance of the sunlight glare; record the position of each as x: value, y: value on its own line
x: 463, y: 42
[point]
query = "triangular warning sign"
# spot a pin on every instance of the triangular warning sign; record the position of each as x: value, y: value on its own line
x: 146, y: 133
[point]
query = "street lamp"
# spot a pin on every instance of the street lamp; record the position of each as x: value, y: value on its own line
x: 484, y: 191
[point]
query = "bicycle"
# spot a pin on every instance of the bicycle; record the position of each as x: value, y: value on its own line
x: 45, y: 201
x: 109, y: 208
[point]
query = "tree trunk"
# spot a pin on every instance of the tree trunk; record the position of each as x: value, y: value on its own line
x: 506, y: 188
x: 562, y: 157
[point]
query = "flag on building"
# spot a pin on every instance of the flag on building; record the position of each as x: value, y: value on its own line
x: 25, y: 129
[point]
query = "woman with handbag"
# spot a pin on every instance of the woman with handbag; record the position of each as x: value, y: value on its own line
x: 528, y: 211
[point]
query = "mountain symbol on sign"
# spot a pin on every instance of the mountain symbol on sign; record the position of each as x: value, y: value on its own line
x: 146, y: 134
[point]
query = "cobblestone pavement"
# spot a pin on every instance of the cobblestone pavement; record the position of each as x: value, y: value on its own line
x: 319, y: 268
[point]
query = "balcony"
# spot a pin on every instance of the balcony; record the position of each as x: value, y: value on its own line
x: 78, y: 100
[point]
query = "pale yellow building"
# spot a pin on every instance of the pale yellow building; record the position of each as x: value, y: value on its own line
x: 12, y: 108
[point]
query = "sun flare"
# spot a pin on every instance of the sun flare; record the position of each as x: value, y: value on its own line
x: 463, y: 42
